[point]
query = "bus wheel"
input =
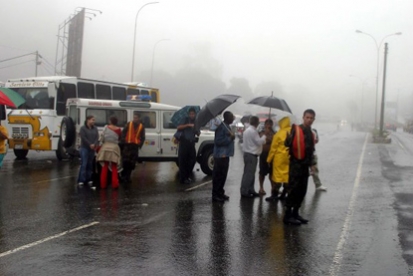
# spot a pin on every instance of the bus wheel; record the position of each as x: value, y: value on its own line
x: 67, y: 132
x: 61, y: 153
x: 20, y: 154
x: 207, y: 162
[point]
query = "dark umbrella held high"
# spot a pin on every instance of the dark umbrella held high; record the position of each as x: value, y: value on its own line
x: 213, y: 108
x: 271, y: 102
x: 183, y: 113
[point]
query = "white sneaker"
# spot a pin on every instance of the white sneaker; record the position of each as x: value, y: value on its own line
x: 90, y: 183
x: 80, y: 183
x: 321, y: 188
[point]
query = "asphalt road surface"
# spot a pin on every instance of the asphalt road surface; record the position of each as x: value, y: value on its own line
x: 361, y: 226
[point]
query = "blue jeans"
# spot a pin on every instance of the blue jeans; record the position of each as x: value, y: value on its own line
x: 1, y: 159
x: 86, y: 164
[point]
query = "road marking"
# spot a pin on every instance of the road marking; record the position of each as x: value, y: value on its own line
x: 53, y: 179
x: 338, y: 256
x: 198, y: 186
x: 47, y: 239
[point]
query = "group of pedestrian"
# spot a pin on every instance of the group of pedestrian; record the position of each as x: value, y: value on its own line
x: 115, y: 148
x: 287, y: 156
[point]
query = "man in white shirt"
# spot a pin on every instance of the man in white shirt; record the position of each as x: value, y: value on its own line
x: 252, y: 148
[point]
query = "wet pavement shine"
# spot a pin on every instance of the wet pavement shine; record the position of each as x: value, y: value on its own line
x: 155, y: 226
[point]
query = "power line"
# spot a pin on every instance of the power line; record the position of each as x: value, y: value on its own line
x: 17, y: 64
x: 34, y: 53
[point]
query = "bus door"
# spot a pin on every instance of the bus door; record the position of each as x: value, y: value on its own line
x: 150, y: 120
x: 169, y: 148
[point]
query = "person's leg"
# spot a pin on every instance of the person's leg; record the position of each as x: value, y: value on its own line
x: 83, y: 165
x: 246, y: 176
x: 316, y: 178
x: 264, y: 169
x: 301, y: 191
x: 90, y: 166
x: 252, y: 174
x: 183, y: 162
x: 293, y: 194
x: 217, y: 178
x: 275, y: 189
x: 1, y: 159
x: 261, y: 179
x: 104, y: 175
x: 192, y: 159
x: 224, y: 170
x: 115, y: 180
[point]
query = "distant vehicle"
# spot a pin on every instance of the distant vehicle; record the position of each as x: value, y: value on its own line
x: 36, y: 124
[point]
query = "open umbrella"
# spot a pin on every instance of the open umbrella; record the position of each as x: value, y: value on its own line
x: 213, y: 108
x: 271, y: 102
x: 182, y: 113
x: 10, y: 98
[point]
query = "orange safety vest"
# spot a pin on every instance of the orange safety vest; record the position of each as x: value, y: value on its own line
x: 134, y: 135
x: 298, y: 145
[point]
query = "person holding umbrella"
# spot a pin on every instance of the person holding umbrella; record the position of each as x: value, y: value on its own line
x: 3, y: 138
x: 252, y: 148
x: 223, y: 150
x: 186, y: 150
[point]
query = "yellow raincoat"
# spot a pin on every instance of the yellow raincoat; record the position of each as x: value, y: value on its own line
x: 279, y: 155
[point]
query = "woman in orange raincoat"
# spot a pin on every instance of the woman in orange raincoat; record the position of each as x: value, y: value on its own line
x: 278, y: 158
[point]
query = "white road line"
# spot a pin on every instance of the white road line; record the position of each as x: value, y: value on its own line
x: 198, y: 186
x: 46, y: 239
x: 338, y: 256
x: 53, y: 179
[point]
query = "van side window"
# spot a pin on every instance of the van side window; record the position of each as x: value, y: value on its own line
x: 85, y: 90
x: 148, y: 119
x: 167, y: 124
x: 65, y: 91
x: 132, y: 91
x: 102, y: 116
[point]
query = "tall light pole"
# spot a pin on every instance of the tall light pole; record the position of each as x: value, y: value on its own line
x: 378, y: 45
x: 153, y: 58
x: 134, y: 37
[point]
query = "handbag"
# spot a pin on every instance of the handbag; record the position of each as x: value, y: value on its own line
x: 177, y: 137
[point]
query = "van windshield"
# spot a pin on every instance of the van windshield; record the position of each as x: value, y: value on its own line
x: 36, y: 98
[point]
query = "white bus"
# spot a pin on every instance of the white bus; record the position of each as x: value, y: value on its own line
x: 36, y: 124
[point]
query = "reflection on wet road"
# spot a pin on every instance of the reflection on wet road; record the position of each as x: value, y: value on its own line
x: 156, y: 226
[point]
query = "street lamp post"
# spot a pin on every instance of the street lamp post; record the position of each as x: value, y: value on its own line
x: 134, y: 37
x: 153, y: 58
x: 377, y: 73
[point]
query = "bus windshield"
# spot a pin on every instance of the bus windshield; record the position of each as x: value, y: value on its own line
x: 36, y: 98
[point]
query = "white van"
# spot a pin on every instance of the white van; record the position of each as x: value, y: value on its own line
x: 156, y: 118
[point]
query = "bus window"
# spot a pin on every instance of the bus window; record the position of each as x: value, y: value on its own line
x: 103, y: 92
x: 119, y: 93
x: 167, y: 123
x: 144, y: 92
x: 102, y: 116
x: 132, y: 91
x: 154, y: 96
x: 148, y: 119
x: 85, y: 90
x: 65, y: 91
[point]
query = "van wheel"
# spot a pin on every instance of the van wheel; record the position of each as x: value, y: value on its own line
x: 61, y: 152
x: 20, y: 154
x: 67, y: 132
x: 207, y: 162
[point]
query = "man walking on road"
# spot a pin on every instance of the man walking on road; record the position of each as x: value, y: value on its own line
x: 252, y: 148
x: 223, y: 149
x: 301, y: 146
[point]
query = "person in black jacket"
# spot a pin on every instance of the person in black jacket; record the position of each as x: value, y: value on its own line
x: 301, y: 146
x: 89, y: 137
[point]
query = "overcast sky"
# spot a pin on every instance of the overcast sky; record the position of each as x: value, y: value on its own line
x: 312, y: 44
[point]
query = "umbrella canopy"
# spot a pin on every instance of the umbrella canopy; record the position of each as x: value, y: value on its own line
x: 213, y: 108
x: 271, y: 102
x: 182, y: 113
x: 10, y: 98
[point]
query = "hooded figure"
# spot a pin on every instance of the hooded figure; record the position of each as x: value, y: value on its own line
x: 279, y: 157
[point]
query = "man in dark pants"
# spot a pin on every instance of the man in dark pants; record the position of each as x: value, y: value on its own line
x: 186, y: 151
x: 301, y: 145
x: 133, y: 137
x: 223, y: 149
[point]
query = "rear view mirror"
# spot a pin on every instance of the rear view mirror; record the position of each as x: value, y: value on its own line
x: 2, y: 113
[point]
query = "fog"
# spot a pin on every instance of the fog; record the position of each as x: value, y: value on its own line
x: 303, y: 51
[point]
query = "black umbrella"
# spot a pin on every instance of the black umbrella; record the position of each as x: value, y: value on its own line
x: 271, y: 102
x: 213, y: 108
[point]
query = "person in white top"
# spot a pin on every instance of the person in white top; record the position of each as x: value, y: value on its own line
x: 252, y: 148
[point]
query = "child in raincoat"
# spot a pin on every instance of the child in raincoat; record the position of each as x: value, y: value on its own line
x: 278, y: 158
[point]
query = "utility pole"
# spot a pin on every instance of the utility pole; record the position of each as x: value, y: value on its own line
x: 37, y: 62
x: 384, y: 88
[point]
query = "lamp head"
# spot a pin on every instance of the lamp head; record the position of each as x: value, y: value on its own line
x: 399, y: 33
x: 358, y: 31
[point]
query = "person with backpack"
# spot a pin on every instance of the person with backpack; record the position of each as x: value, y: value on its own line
x: 301, y: 144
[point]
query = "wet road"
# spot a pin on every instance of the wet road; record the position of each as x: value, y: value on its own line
x: 361, y: 226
